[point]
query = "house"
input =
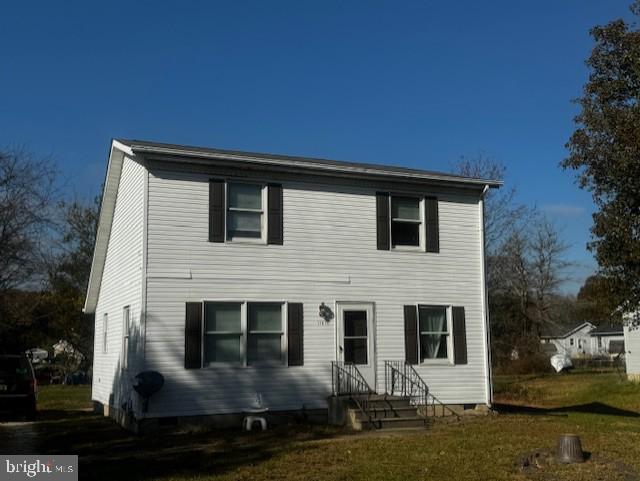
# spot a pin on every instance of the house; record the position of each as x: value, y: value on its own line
x: 632, y: 346
x: 584, y: 339
x: 607, y: 340
x: 574, y: 341
x: 237, y: 274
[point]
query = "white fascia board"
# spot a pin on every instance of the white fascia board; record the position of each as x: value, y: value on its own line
x: 105, y: 219
x: 344, y: 168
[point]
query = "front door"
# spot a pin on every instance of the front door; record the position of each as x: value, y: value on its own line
x: 356, y: 338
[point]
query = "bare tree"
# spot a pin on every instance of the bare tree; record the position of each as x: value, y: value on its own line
x: 525, y: 263
x: 547, y: 268
x: 27, y: 189
x: 502, y: 214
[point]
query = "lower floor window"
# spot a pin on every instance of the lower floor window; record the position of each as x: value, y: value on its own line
x: 434, y: 332
x: 243, y: 333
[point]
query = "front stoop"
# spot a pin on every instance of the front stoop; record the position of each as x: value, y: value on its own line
x: 387, y: 412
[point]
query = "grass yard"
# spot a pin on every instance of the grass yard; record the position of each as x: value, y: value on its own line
x: 601, y: 408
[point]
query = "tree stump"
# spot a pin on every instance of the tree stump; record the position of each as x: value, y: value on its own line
x: 569, y: 449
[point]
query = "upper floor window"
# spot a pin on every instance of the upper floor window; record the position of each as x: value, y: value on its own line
x: 245, y: 212
x: 406, y: 221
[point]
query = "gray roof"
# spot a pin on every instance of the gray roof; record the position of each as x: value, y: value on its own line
x: 608, y: 330
x: 304, y: 163
x: 559, y: 331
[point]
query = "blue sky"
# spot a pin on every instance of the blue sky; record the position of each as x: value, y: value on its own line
x: 417, y: 84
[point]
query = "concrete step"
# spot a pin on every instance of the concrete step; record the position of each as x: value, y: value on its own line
x: 404, y: 422
x: 382, y: 402
x: 388, y: 412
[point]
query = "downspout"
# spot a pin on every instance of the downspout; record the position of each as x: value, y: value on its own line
x: 485, y: 300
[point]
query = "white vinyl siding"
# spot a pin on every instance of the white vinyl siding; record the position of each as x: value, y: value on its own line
x: 121, y: 286
x: 329, y: 255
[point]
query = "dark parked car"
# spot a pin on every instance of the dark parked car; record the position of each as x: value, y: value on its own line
x: 18, y: 386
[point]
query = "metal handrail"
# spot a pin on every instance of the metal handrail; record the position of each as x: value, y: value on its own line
x: 402, y: 379
x: 347, y: 380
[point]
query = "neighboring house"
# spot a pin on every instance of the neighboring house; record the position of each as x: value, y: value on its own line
x: 574, y: 341
x: 236, y: 273
x: 607, y: 340
x: 584, y: 339
x: 632, y: 348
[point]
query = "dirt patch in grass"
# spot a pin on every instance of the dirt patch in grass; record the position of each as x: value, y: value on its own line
x: 541, y: 465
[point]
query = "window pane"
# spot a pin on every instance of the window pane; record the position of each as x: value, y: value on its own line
x: 405, y: 208
x: 405, y: 234
x: 222, y: 317
x: 264, y: 347
x: 221, y: 348
x: 244, y: 224
x: 245, y: 196
x: 265, y: 317
x: 432, y: 319
x: 355, y: 351
x: 355, y: 323
x: 433, y: 346
x: 125, y: 353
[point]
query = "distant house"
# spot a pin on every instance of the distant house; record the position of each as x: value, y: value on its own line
x: 607, y: 340
x: 574, y: 341
x: 585, y: 340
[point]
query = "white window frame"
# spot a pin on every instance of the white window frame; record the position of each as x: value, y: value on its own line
x: 264, y: 214
x: 449, y: 333
x: 105, y: 332
x: 421, y: 223
x: 126, y: 335
x: 571, y: 341
x: 244, y: 334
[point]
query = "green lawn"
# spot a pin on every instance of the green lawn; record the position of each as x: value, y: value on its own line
x: 601, y: 408
x: 59, y: 397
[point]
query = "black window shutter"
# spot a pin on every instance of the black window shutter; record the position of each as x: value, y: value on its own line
x: 431, y: 225
x: 295, y: 334
x: 382, y: 221
x: 193, y: 336
x: 274, y: 212
x: 459, y: 336
x: 216, y: 210
x: 411, y: 334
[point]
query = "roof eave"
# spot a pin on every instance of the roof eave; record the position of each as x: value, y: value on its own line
x: 107, y: 205
x: 308, y: 165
